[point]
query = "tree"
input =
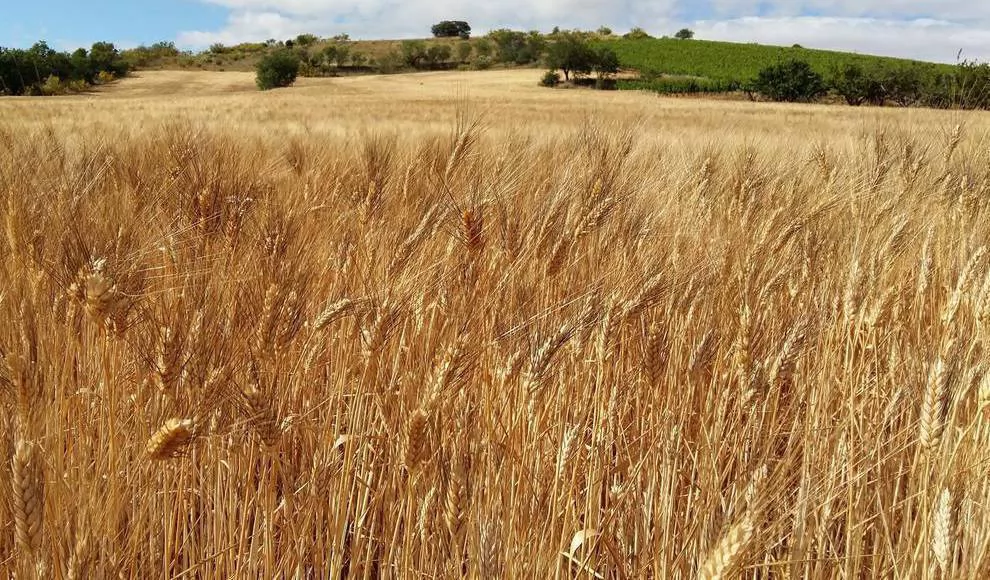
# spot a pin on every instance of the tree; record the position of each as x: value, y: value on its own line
x: 605, y: 63
x: 857, y: 86
x: 604, y: 31
x: 517, y: 47
x: 904, y: 85
x: 790, y: 81
x: 451, y: 28
x: 684, y: 34
x: 277, y: 69
x: 104, y: 57
x: 571, y: 54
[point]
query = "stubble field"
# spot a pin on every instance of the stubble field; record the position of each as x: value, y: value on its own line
x: 456, y: 325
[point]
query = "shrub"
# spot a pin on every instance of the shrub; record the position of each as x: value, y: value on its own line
x: 413, y: 52
x: 551, y: 78
x: 464, y: 51
x: 636, y: 33
x: 278, y: 69
x: 306, y: 39
x: 482, y: 63
x: 606, y: 84
x: 437, y: 54
x: 790, y: 81
x: 684, y: 34
x: 53, y: 86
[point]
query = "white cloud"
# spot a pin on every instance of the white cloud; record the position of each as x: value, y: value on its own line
x: 924, y: 29
x: 923, y: 39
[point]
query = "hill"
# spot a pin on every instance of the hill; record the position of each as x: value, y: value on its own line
x: 731, y: 61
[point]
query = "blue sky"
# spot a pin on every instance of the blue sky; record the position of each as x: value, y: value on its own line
x: 925, y: 29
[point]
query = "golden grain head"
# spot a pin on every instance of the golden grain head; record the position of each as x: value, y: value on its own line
x: 171, y: 440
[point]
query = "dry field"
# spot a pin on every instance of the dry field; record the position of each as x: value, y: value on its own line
x: 453, y: 325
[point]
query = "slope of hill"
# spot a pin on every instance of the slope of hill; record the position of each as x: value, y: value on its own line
x: 729, y: 61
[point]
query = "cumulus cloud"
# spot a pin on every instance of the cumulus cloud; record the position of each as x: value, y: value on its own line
x: 924, y: 29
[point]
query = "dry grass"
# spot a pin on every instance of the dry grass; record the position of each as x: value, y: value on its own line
x: 347, y: 329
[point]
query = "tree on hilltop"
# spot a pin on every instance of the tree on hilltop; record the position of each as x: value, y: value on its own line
x: 451, y: 28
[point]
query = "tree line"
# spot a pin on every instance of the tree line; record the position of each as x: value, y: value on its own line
x: 967, y: 85
x: 43, y: 70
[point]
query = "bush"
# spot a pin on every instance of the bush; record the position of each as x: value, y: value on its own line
x: 636, y: 33
x: 464, y: 51
x: 606, y: 84
x: 53, y: 86
x: 551, y: 78
x: 437, y: 55
x: 790, y: 81
x: 278, y: 69
x: 684, y: 34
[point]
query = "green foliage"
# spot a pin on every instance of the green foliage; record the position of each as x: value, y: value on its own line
x: 551, y: 78
x: 904, y: 85
x: 513, y: 46
x: 437, y: 55
x: 413, y: 53
x: 334, y: 56
x: 679, y: 85
x: 573, y: 55
x: 463, y: 51
x: 790, y: 81
x: 358, y: 59
x: 972, y: 86
x: 143, y: 56
x: 636, y: 33
x: 728, y: 61
x: 451, y: 28
x: 218, y: 48
x: 604, y: 31
x: 278, y: 69
x: 306, y: 40
x: 483, y: 47
x: 684, y: 34
x: 390, y: 62
x: 605, y: 62
x: 858, y: 85
x: 31, y: 71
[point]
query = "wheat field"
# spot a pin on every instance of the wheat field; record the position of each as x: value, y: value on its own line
x: 452, y: 325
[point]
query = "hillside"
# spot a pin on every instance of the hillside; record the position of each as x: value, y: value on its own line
x: 730, y: 61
